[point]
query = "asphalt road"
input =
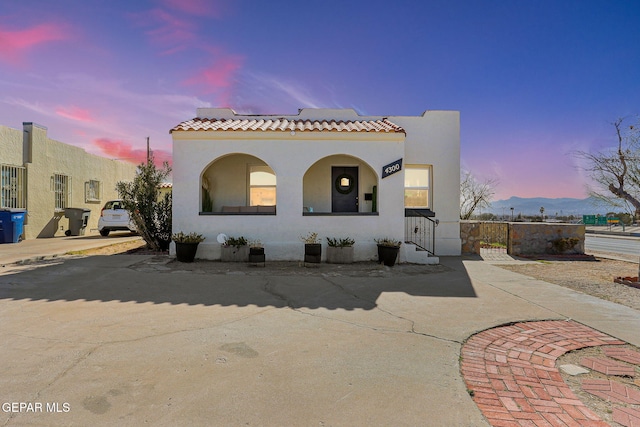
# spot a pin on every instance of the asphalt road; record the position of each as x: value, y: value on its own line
x: 626, y: 245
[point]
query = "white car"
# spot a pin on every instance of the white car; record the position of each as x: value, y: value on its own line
x: 114, y: 217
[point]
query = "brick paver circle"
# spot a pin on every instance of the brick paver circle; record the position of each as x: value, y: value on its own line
x: 511, y: 374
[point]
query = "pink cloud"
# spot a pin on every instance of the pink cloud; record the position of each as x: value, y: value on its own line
x: 197, y: 7
x: 15, y: 44
x: 217, y: 78
x: 170, y: 31
x: 171, y: 25
x: 74, y: 113
x: 167, y: 30
x: 124, y: 151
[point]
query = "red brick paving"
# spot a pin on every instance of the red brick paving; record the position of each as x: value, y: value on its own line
x: 611, y: 390
x: 511, y: 372
x: 608, y: 366
x: 623, y: 354
x: 628, y: 417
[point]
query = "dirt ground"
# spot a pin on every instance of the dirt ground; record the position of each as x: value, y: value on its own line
x: 603, y: 408
x: 135, y: 246
x: 594, y: 277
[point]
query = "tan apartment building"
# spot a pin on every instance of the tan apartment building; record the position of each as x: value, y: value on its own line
x: 46, y: 177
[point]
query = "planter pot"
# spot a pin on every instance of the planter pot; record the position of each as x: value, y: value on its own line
x: 186, y: 252
x: 312, y: 252
x: 256, y: 251
x: 387, y: 255
x: 235, y: 254
x: 340, y: 255
x: 256, y: 255
x: 164, y: 244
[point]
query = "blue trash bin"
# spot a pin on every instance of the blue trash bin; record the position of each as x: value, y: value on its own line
x: 11, y: 225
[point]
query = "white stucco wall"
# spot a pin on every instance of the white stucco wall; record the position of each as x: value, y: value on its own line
x: 292, y: 155
x: 434, y: 139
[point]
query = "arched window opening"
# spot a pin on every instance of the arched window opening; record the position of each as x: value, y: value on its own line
x: 238, y: 184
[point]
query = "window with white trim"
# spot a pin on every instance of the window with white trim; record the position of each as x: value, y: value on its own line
x: 13, y: 187
x: 417, y: 184
x: 62, y: 191
x: 262, y: 186
x: 92, y: 191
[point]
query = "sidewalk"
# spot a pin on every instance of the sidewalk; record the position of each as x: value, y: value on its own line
x: 40, y: 249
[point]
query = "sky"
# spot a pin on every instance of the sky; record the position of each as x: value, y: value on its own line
x: 534, y: 81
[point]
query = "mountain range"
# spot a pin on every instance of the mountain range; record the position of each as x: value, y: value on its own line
x: 552, y: 207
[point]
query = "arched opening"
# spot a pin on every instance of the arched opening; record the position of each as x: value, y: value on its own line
x: 340, y: 184
x: 238, y: 184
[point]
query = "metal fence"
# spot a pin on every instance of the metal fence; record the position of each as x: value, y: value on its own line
x: 494, y: 236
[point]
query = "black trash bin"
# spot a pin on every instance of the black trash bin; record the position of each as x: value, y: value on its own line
x: 78, y: 218
x: 11, y: 225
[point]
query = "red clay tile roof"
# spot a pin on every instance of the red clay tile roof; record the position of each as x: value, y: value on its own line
x: 286, y: 125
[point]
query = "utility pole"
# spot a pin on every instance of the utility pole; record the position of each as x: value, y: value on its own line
x: 148, y: 152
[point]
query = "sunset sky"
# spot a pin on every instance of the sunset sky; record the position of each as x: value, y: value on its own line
x: 534, y: 81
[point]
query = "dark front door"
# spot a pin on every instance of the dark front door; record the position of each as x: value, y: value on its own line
x: 344, y: 189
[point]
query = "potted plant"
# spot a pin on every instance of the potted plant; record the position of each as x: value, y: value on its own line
x: 186, y: 245
x: 388, y: 251
x: 235, y: 249
x: 340, y: 250
x: 256, y: 252
x: 312, y: 248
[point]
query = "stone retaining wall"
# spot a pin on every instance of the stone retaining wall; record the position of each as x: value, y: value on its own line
x: 470, y: 237
x: 525, y: 238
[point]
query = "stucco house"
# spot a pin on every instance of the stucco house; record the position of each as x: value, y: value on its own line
x: 45, y: 177
x: 330, y: 171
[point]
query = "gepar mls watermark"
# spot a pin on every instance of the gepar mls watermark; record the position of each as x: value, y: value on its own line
x: 36, y: 407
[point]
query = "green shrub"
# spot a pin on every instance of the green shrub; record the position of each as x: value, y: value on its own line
x: 187, y: 238
x: 562, y: 245
x: 207, y: 201
x: 386, y: 241
x: 235, y: 241
x: 341, y: 242
x: 150, y: 212
x: 311, y: 238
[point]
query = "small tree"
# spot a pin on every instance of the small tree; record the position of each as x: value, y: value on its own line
x: 150, y: 212
x: 474, y: 194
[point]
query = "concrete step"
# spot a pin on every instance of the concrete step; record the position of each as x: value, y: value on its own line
x: 412, y: 254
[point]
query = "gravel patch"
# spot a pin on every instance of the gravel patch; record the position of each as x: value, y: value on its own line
x: 602, y: 407
x: 594, y: 277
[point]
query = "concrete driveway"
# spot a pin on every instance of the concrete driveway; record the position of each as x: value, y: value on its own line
x: 128, y: 340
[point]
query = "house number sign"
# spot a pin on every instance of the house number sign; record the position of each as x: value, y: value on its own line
x: 391, y: 168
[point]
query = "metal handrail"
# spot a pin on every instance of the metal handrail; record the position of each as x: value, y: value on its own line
x: 420, y: 229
